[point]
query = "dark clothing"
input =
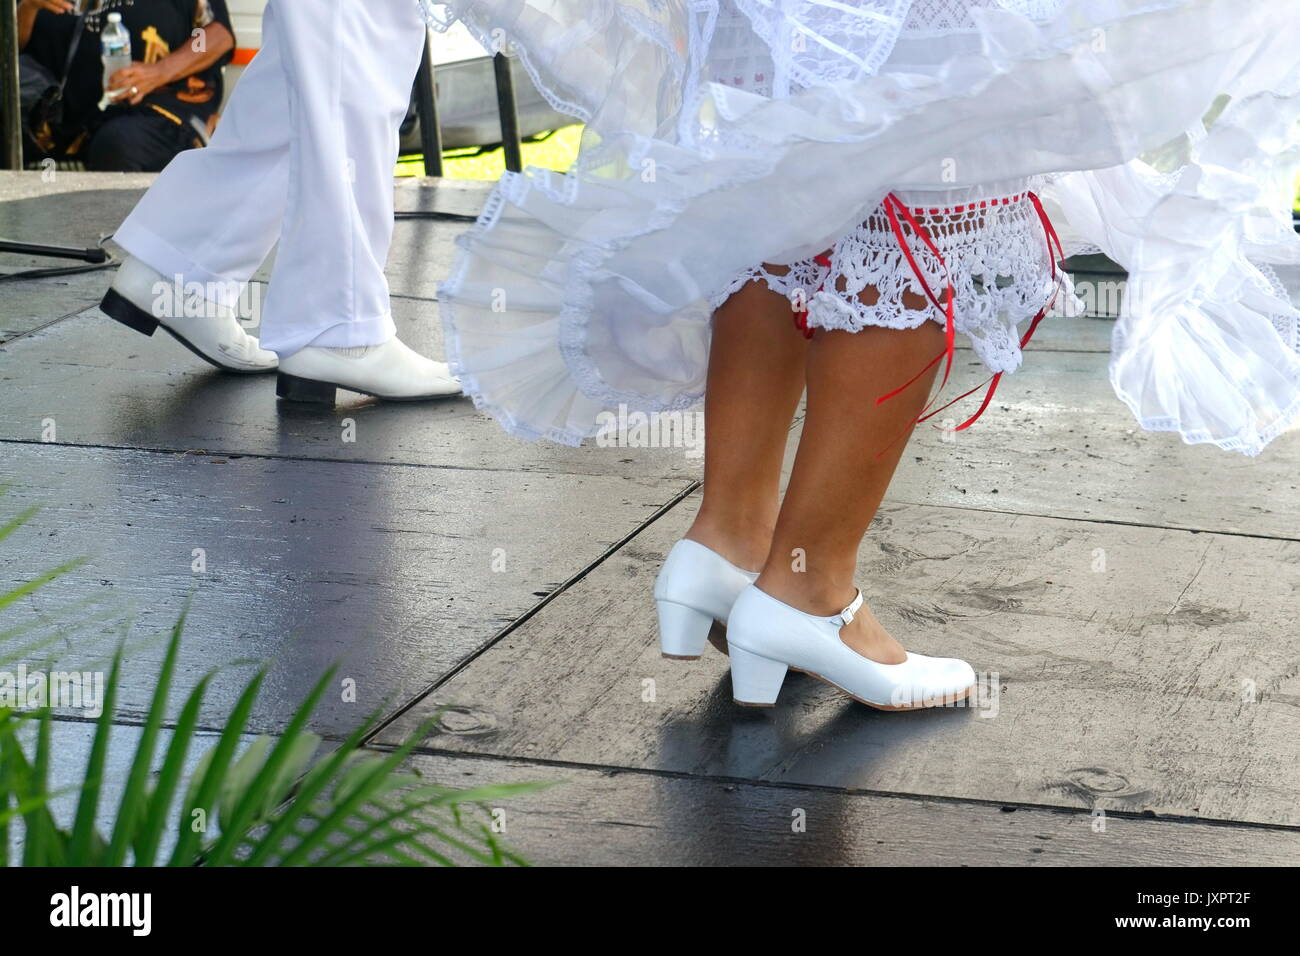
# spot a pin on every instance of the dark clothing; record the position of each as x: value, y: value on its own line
x: 157, y: 28
x: 137, y: 142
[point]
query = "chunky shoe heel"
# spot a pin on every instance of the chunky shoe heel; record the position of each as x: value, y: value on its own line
x: 295, y: 389
x: 695, y: 587
x: 683, y: 631
x: 116, y: 307
x: 755, y: 681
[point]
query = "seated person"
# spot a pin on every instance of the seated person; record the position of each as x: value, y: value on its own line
x: 178, y: 48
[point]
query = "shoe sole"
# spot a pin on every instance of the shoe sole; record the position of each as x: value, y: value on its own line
x: 946, y: 701
x: 719, y: 641
x: 293, y: 388
x: 118, y: 308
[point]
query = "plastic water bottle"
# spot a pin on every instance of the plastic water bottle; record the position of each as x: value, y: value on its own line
x: 115, y: 52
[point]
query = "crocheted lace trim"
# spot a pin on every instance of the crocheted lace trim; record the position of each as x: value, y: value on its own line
x: 996, y: 256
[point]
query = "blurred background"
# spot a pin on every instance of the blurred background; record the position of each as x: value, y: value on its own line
x: 467, y: 106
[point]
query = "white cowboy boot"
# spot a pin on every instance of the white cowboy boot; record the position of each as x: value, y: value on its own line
x: 392, y: 371
x: 214, y: 334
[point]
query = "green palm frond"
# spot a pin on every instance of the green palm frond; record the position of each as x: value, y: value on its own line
x: 248, y: 801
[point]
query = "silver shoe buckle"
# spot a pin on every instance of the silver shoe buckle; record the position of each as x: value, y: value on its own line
x: 849, y: 613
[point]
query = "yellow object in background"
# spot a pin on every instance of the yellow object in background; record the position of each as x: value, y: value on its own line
x: 557, y: 151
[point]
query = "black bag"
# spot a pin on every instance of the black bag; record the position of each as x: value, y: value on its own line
x: 41, y: 95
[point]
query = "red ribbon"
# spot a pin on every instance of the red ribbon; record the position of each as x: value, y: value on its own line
x: 1054, y: 251
x: 893, y: 208
x: 801, y: 317
x: 893, y: 205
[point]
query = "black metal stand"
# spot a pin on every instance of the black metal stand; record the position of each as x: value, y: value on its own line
x: 94, y: 255
x: 508, y: 111
x: 10, y: 100
x: 426, y: 105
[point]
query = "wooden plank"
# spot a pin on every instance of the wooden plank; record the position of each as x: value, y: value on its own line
x: 104, y: 385
x: 421, y: 256
x: 399, y: 573
x: 603, y: 817
x: 34, y: 185
x: 62, y: 209
x: 627, y: 818
x: 463, y: 197
x: 28, y: 304
x: 1166, y: 682
x: 593, y: 817
x: 53, y: 215
x: 76, y: 208
x: 1057, y: 442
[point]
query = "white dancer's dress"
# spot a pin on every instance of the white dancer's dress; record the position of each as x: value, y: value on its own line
x: 847, y: 152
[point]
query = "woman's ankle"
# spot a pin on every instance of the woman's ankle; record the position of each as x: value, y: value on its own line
x: 744, y: 548
x: 822, y: 595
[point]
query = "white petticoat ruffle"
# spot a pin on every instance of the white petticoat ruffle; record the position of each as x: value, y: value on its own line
x: 576, y: 293
x: 1206, y: 344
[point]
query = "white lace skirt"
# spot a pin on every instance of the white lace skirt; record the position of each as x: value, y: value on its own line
x: 990, y: 246
x: 987, y: 244
x: 723, y: 135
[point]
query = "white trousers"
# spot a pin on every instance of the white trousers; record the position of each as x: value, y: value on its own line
x: 304, y: 154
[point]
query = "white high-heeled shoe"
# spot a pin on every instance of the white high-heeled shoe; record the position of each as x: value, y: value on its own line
x: 695, y: 587
x: 768, y: 637
x: 392, y: 371
x: 212, y: 332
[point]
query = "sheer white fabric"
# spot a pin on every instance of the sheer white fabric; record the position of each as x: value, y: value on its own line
x: 995, y: 255
x: 576, y: 293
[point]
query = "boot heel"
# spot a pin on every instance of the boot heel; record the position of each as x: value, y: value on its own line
x: 683, y: 631
x: 755, y: 681
x: 294, y: 389
x: 116, y: 307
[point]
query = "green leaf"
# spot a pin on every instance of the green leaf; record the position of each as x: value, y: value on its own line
x: 370, y: 840
x: 245, y: 815
x: 159, y: 807
x: 312, y: 785
x: 277, y: 804
x: 360, y: 793
x: 22, y: 518
x: 209, y: 778
x: 42, y: 845
x: 241, y: 777
x: 130, y: 811
x: 83, y: 826
x: 37, y: 847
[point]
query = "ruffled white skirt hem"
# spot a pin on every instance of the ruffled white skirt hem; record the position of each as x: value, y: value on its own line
x: 578, y: 293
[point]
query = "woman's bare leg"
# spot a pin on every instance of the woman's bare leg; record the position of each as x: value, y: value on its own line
x: 756, y: 376
x: 838, y: 480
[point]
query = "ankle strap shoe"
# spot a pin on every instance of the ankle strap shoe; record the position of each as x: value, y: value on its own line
x: 768, y: 637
